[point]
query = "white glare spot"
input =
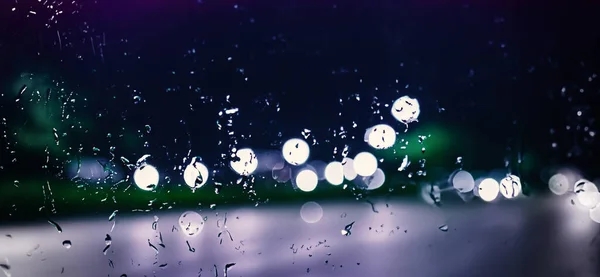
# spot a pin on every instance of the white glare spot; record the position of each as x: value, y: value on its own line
x: 380, y: 136
x: 245, y: 162
x: 558, y: 184
x: 334, y: 173
x: 146, y: 177
x: 295, y: 151
x: 376, y: 180
x: 311, y: 212
x: 406, y: 109
x: 365, y: 164
x: 587, y: 193
x: 488, y: 189
x: 195, y: 175
x: 510, y: 186
x: 307, y: 180
x: 349, y: 172
x: 191, y: 223
x: 463, y: 181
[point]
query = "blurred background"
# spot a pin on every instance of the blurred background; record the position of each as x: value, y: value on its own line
x: 120, y: 116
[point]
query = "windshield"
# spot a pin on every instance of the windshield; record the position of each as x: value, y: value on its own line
x: 298, y: 138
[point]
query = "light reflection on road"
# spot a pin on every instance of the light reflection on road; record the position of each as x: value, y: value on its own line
x: 514, y: 238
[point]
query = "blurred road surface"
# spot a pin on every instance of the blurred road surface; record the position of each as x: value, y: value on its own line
x: 527, y: 237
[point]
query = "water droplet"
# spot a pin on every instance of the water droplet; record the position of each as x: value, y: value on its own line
x: 5, y: 266
x: 108, y: 242
x: 348, y: 229
x: 152, y: 246
x: 55, y: 132
x: 67, y: 244
x: 227, y: 266
x: 58, y: 228
x: 444, y: 228
x: 190, y: 248
x: 155, y: 223
x: 137, y: 99
x: 112, y: 216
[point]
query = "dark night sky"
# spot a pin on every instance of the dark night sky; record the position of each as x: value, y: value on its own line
x: 288, y: 51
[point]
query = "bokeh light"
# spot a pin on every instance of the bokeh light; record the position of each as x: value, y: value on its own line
x: 381, y: 136
x: 365, y: 164
x: 295, y: 151
x: 146, y: 177
x: 375, y: 181
x: 406, y: 109
x: 587, y: 193
x: 558, y: 184
x: 488, y: 189
x: 510, y: 186
x: 307, y: 180
x: 191, y: 223
x: 195, y: 174
x: 311, y: 212
x: 334, y: 173
x: 349, y: 172
x: 244, y: 162
x: 463, y: 181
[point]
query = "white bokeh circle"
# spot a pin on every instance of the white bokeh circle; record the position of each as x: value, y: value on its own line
x: 381, y: 136
x: 349, y: 172
x: 245, y: 162
x: 406, y: 109
x: 191, y: 223
x: 146, y: 177
x: 587, y: 193
x: 463, y: 181
x: 488, y: 189
x: 334, y: 173
x: 195, y: 175
x: 307, y: 180
x: 365, y: 164
x: 295, y: 151
x: 510, y: 186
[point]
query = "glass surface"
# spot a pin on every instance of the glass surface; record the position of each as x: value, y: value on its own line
x: 299, y: 138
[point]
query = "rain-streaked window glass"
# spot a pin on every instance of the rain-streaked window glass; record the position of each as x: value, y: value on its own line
x: 299, y: 138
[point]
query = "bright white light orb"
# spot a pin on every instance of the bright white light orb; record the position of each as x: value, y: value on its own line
x: 191, y: 223
x: 334, y: 173
x: 245, y: 162
x: 510, y: 186
x: 146, y: 177
x: 406, y: 109
x: 376, y: 180
x: 463, y: 181
x: 349, y: 172
x: 365, y: 164
x: 295, y: 151
x: 595, y: 213
x: 311, y: 212
x: 558, y: 184
x: 195, y: 175
x: 307, y: 180
x: 488, y: 189
x: 380, y: 136
x: 587, y: 193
